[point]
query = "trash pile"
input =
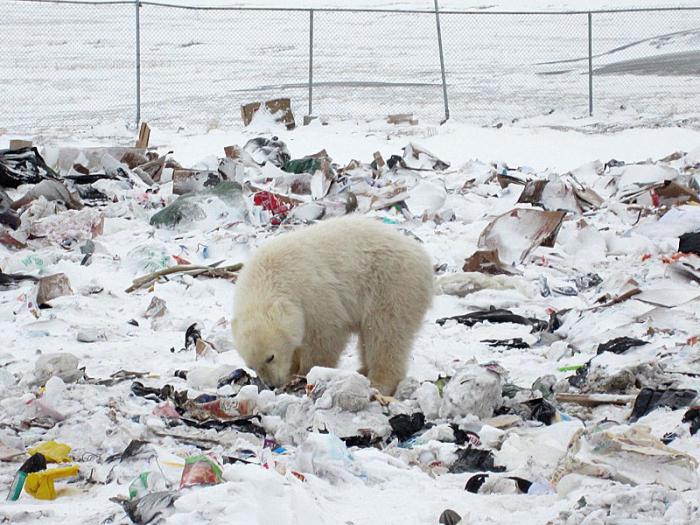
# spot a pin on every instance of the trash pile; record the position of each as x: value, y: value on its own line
x: 559, y: 362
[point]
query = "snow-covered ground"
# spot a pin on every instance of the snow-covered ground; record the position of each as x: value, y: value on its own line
x: 68, y: 67
x: 398, y: 485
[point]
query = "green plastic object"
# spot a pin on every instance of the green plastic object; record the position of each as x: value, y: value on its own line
x: 570, y: 368
x: 190, y: 207
x: 303, y: 165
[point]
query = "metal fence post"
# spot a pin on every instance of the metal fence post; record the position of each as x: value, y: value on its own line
x: 137, y: 3
x: 442, y: 62
x: 590, y: 64
x: 311, y: 60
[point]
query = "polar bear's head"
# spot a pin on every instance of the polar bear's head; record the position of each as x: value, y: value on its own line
x: 267, y: 338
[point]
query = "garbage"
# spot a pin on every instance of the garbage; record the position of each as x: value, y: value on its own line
x: 479, y: 484
x: 147, y: 482
x: 487, y: 261
x: 474, y: 460
x: 23, y: 166
x: 404, y: 426
x: 692, y: 416
x: 213, y: 270
x: 145, y: 510
x: 51, y: 287
x: 418, y: 158
x: 619, y: 345
x: 649, y: 399
x: 402, y: 118
x: 495, y: 315
x: 200, y: 470
x: 279, y: 108
x: 689, y: 243
x: 593, y: 333
x: 516, y: 233
x: 53, y: 451
x: 473, y: 390
x: 227, y: 196
x: 69, y: 228
x: 10, y: 281
x: 51, y: 190
x: 449, y: 517
x: 594, y: 400
x: 462, y: 284
x: 156, y: 308
x: 632, y: 456
x: 41, y: 484
x: 62, y: 364
x: 35, y: 463
x: 91, y: 335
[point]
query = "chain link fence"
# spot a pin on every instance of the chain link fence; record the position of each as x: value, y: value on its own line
x: 72, y: 65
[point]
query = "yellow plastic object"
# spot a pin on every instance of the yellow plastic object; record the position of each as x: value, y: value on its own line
x: 40, y: 484
x: 53, y: 451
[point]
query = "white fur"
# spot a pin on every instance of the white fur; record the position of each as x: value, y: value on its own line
x: 303, y: 294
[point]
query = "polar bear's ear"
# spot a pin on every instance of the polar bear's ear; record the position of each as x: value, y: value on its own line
x: 290, y: 318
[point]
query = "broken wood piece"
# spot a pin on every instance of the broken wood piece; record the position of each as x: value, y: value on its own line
x: 232, y: 152
x: 280, y: 108
x: 189, y: 269
x: 593, y: 400
x: 19, y: 143
x: 402, y: 118
x: 144, y: 136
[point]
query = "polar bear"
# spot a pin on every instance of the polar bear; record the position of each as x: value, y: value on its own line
x: 303, y: 294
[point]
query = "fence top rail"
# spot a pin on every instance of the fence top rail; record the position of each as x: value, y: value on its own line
x: 366, y: 10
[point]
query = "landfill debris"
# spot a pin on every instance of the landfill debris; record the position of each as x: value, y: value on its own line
x: 462, y: 284
x: 189, y: 208
x: 487, y: 261
x: 36, y: 463
x: 449, y: 517
x: 189, y: 269
x: 649, y: 399
x: 495, y: 315
x: 404, y: 426
x: 692, y: 416
x: 595, y: 333
x: 474, y: 460
x: 402, y: 118
x: 516, y: 233
x: 279, y: 108
x: 478, y: 484
x: 689, y: 243
x: 41, y: 484
x: 52, y: 287
x: 619, y: 345
x: 473, y: 390
x: 632, y: 456
x: 63, y: 365
x: 156, y: 308
x: 23, y: 166
x: 200, y: 470
x: 144, y: 136
x: 594, y: 400
x: 53, y: 451
x: 147, y: 509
